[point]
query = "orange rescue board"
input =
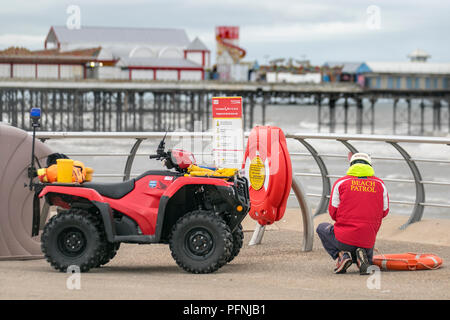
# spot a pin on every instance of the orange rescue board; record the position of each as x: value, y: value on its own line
x: 407, y: 261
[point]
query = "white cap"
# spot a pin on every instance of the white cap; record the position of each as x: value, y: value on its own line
x: 361, y: 156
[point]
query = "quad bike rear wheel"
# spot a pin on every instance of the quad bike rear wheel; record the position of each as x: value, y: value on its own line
x: 109, y: 250
x: 201, y: 242
x: 73, y: 238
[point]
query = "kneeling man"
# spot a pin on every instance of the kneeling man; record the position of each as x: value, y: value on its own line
x: 358, y: 203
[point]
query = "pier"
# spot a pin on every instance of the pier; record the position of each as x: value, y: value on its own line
x: 160, y: 105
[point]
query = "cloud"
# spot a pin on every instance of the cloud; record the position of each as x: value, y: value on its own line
x: 281, y: 27
x: 299, y: 32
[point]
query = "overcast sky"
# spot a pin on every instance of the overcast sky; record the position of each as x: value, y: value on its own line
x: 321, y: 30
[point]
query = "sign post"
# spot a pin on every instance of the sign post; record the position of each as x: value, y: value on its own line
x: 228, y: 141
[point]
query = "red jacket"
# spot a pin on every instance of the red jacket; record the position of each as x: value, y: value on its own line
x: 358, y: 203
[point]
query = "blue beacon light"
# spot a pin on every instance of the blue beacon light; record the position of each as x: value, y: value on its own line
x: 35, y: 112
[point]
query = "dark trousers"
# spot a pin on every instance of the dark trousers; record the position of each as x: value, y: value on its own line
x: 333, y: 246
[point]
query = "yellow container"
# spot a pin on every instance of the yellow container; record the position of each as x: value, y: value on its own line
x: 65, y: 168
x: 89, y: 172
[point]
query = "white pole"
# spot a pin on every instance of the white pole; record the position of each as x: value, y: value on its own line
x: 257, y: 235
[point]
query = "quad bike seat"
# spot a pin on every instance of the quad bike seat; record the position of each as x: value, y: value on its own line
x: 112, y: 190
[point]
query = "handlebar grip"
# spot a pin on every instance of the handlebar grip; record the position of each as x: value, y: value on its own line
x: 154, y: 156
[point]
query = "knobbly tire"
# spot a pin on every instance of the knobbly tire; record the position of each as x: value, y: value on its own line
x: 238, y: 241
x: 109, y: 249
x: 201, y: 242
x: 109, y: 252
x: 73, y: 237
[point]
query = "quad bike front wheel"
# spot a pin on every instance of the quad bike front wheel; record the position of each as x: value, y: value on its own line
x: 201, y: 242
x: 73, y: 238
x: 110, y: 251
x: 238, y: 241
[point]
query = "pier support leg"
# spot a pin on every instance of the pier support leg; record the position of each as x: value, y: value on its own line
x: 252, y: 110
x: 408, y: 101
x: 53, y: 110
x: 319, y: 110
x: 332, y: 107
x: 394, y: 116
x: 119, y: 111
x: 141, y: 111
x: 422, y: 117
x: 359, y: 115
x: 436, y: 115
x: 264, y: 106
x: 372, y: 112
x: 346, y: 115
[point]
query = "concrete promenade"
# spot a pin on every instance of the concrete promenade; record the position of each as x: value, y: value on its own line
x: 276, y: 269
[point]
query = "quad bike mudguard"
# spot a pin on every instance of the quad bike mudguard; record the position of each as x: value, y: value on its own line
x: 89, y: 194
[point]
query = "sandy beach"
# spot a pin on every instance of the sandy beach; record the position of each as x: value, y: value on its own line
x: 276, y: 269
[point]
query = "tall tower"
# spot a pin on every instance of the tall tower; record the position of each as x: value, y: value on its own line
x: 227, y: 38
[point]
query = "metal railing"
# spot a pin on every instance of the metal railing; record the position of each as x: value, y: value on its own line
x: 418, y: 205
x: 304, y: 139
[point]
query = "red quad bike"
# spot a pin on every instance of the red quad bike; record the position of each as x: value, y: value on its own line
x: 199, y: 217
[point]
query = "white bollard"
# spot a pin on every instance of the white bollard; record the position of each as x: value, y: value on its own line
x: 257, y: 235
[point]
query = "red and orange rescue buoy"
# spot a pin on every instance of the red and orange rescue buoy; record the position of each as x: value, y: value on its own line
x: 407, y: 261
x: 268, y: 167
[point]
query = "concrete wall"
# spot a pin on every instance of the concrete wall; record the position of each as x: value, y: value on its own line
x: 142, y: 74
x: 110, y: 73
x: 166, y: 75
x: 191, y: 75
x: 5, y: 70
x: 44, y: 71
x: 47, y: 71
x: 24, y: 71
x: 71, y: 72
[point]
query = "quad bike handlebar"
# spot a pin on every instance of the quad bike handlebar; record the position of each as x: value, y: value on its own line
x: 167, y: 159
x: 161, y: 154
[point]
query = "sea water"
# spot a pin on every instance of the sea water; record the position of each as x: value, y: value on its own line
x: 302, y: 119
